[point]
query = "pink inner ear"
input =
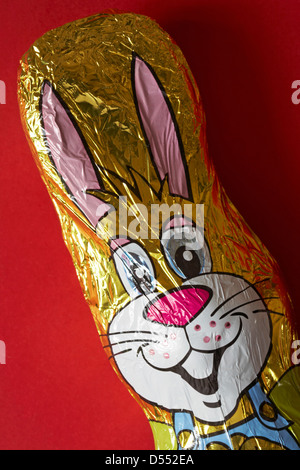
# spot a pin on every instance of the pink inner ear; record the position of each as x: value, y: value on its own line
x: 116, y: 243
x: 160, y: 129
x: 70, y: 156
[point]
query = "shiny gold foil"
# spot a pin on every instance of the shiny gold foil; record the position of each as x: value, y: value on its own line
x: 89, y: 64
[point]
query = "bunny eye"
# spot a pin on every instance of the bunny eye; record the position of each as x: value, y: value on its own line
x: 135, y: 269
x: 186, y: 251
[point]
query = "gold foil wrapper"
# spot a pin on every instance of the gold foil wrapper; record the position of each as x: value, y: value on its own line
x: 200, y: 335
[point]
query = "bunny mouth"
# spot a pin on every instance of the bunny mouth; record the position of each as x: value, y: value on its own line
x: 207, y: 385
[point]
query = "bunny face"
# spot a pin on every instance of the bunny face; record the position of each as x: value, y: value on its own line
x: 188, y: 348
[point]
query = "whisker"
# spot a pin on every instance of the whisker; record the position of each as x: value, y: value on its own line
x: 238, y: 293
x: 131, y: 341
x: 240, y: 314
x: 121, y: 352
x: 130, y: 332
x: 270, y: 311
x: 246, y: 303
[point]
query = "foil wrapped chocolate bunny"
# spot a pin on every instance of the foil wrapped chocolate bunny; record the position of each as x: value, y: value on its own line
x: 188, y: 303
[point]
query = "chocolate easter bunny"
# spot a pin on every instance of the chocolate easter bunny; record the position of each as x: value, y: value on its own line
x: 191, y: 310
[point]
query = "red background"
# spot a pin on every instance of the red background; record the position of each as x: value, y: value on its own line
x: 57, y: 389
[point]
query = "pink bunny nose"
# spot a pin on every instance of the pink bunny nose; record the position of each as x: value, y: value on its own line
x: 179, y: 306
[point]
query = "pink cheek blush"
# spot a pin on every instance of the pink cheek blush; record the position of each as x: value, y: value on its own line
x: 166, y: 356
x: 151, y: 352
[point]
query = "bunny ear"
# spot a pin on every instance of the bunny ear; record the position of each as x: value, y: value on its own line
x: 70, y: 155
x: 160, y: 128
